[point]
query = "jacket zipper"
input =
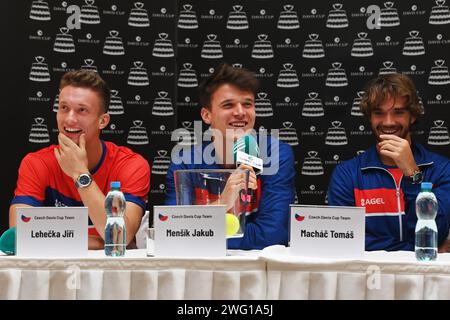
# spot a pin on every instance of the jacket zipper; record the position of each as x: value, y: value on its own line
x: 397, y: 193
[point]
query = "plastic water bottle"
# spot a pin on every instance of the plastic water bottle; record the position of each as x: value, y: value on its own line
x: 426, y: 229
x: 115, y: 229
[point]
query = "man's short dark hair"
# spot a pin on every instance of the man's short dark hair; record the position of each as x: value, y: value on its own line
x: 243, y: 79
x: 394, y: 85
x: 88, y: 79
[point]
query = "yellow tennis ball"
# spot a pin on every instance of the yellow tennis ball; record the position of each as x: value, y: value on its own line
x: 232, y: 224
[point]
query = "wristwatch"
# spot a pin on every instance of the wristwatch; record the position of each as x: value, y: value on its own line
x: 84, y: 180
x: 416, y: 177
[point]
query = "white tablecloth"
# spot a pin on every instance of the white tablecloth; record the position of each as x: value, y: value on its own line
x: 135, y: 276
x: 268, y: 274
x: 378, y: 275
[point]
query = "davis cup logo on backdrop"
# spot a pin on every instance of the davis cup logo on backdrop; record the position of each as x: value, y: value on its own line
x: 39, y: 132
x: 40, y: 11
x: 89, y: 65
x: 211, y: 48
x: 263, y: 105
x: 237, y: 19
x: 39, y: 70
x: 336, y: 76
x: 439, y: 134
x: 113, y: 11
x: 336, y: 135
x: 312, y: 165
x: 288, y: 78
x: 38, y: 97
x: 113, y: 129
x: 162, y: 106
x: 163, y: 47
x: 440, y: 14
x: 337, y: 17
x: 163, y: 217
x: 439, y: 74
x: 313, y: 106
x: 187, y: 18
x: 361, y: 131
x: 388, y: 68
x: 262, y: 48
x: 413, y: 45
x: 288, y: 134
x: 288, y: 19
x: 362, y: 47
x: 138, y: 75
x: 389, y: 16
x: 438, y: 99
x: 336, y: 102
x: 115, y: 104
x: 161, y: 163
x: 64, y: 41
x: 313, y: 47
x: 89, y: 13
x: 40, y: 36
x: 187, y: 77
x: 138, y: 16
x: 24, y: 218
x: 113, y: 45
x: 137, y: 135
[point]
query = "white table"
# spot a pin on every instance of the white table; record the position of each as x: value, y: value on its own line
x: 268, y: 274
x: 135, y: 276
x: 378, y: 275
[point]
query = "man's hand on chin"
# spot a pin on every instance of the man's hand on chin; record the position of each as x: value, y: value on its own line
x: 72, y: 158
x: 399, y: 150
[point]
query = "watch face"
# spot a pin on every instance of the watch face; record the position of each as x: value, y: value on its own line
x: 418, y: 177
x: 84, y: 179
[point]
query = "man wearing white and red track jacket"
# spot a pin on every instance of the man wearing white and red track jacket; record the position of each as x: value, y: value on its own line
x: 268, y: 220
x: 389, y: 198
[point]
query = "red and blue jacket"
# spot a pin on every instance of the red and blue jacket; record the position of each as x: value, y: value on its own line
x: 267, y: 222
x: 42, y: 182
x: 388, y: 198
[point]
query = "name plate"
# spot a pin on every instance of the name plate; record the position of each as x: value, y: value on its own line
x: 190, y: 231
x: 52, y: 232
x: 327, y: 232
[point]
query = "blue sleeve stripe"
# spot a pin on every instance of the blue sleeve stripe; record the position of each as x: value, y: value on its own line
x: 28, y: 200
x: 132, y: 198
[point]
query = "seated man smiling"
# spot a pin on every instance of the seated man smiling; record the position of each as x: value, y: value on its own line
x: 386, y: 178
x: 78, y: 171
x: 228, y: 107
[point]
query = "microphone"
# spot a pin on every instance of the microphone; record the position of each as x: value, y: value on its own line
x: 8, y: 241
x: 246, y: 151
